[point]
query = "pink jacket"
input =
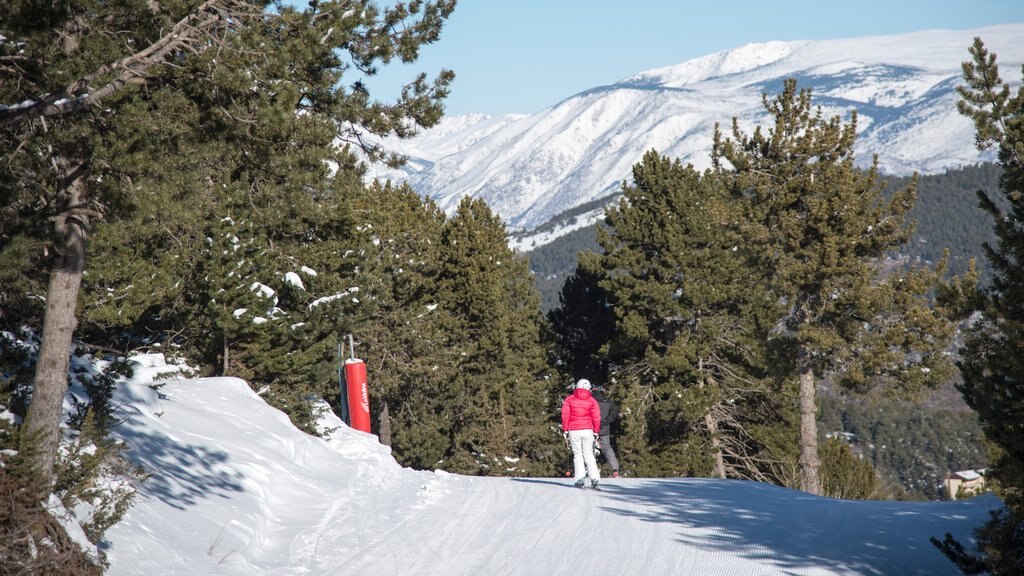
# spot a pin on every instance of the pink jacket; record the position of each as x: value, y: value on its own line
x: 580, y: 412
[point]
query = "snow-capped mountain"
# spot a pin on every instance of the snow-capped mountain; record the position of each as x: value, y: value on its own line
x: 531, y: 168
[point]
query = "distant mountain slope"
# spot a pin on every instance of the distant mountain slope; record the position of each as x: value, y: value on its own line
x: 531, y: 168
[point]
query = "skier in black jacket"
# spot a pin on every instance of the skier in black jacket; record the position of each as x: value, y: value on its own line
x: 609, y: 414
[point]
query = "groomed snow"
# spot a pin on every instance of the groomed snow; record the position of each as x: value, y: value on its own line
x: 235, y: 489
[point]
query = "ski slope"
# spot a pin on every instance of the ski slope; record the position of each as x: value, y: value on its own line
x: 235, y: 489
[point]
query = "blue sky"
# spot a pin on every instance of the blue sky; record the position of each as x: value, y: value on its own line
x: 526, y: 55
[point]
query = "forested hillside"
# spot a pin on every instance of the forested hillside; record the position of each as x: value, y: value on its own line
x: 911, y: 447
x: 946, y: 212
x: 948, y: 216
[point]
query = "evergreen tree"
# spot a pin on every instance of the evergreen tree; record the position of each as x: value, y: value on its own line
x: 691, y: 322
x: 234, y: 302
x: 583, y: 324
x: 992, y: 365
x: 72, y: 63
x: 242, y: 127
x: 399, y: 329
x: 280, y: 187
x: 499, y: 396
x: 843, y: 475
x: 821, y: 231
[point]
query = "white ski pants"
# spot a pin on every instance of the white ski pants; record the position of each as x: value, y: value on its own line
x: 583, y: 461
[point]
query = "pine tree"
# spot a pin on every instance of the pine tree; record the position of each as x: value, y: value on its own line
x: 821, y: 230
x: 154, y: 273
x: 399, y: 326
x: 583, y: 324
x: 73, y: 56
x: 499, y: 397
x: 234, y: 302
x: 992, y: 365
x: 844, y: 475
x: 273, y: 78
x: 691, y: 324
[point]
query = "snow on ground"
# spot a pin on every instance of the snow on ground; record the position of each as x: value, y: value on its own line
x: 235, y: 489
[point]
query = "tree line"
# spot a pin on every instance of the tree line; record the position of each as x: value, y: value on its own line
x: 197, y: 187
x: 946, y: 216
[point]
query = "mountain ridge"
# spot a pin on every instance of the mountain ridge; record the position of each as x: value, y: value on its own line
x: 532, y: 168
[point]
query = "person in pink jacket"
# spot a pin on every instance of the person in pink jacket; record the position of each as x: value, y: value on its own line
x: 581, y: 423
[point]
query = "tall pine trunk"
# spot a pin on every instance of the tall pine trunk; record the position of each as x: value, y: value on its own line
x: 808, y: 463
x: 716, y: 444
x: 225, y: 354
x: 42, y: 423
x: 384, y: 426
x: 712, y: 425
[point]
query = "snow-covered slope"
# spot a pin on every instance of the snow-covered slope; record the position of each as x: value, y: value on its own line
x: 531, y: 168
x: 234, y: 489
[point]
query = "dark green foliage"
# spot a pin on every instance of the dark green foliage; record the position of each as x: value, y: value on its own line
x: 992, y: 365
x: 946, y: 213
x: 216, y: 279
x: 55, y: 45
x: 947, y: 217
x: 499, y: 396
x: 843, y: 474
x: 911, y: 446
x: 686, y: 359
x: 232, y: 305
x: 398, y: 331
x: 1001, y: 540
x: 825, y: 231
x: 99, y: 392
x: 583, y: 324
x: 968, y: 563
x: 552, y: 264
x: 821, y: 231
x: 17, y: 363
x: 224, y: 175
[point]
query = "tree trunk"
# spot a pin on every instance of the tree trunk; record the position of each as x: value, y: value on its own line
x: 385, y: 425
x: 712, y: 425
x: 716, y: 444
x: 225, y: 355
x: 808, y: 463
x: 42, y: 423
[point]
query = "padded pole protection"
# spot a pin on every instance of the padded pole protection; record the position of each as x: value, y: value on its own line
x: 358, y: 396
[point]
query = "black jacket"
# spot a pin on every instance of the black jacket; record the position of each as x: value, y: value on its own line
x: 609, y: 411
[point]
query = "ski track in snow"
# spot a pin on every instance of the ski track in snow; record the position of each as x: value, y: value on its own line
x: 492, y: 526
x: 236, y: 490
